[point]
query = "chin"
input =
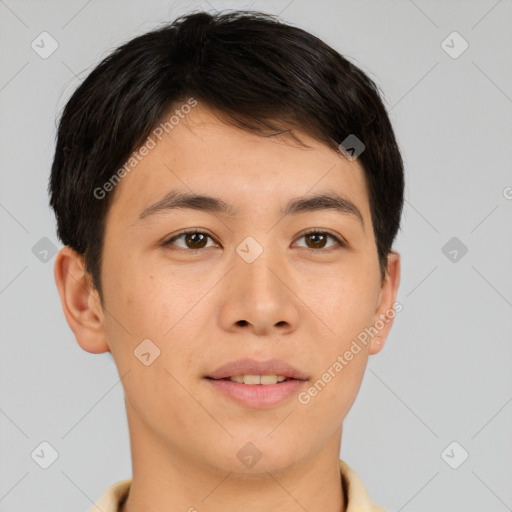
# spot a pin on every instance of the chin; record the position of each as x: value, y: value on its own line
x: 253, y: 457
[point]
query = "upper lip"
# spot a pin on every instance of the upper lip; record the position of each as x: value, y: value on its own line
x: 253, y: 367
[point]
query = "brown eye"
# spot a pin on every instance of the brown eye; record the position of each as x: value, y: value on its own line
x: 196, y: 240
x: 320, y: 240
x: 191, y: 240
x: 316, y: 240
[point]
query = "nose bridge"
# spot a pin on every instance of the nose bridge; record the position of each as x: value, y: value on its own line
x: 256, y: 295
x: 257, y: 273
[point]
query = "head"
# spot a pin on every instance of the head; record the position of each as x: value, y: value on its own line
x: 228, y: 126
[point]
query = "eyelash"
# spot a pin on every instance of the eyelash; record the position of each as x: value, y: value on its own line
x: 310, y: 231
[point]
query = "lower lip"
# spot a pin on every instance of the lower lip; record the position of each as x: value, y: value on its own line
x: 257, y: 396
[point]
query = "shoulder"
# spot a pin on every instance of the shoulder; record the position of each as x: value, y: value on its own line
x: 358, y: 499
x: 112, y: 498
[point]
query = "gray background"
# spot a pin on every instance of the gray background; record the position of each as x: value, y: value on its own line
x: 445, y: 373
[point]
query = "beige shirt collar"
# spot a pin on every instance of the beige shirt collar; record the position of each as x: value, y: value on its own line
x: 358, y: 500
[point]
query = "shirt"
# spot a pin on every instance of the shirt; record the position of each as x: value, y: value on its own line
x: 357, y: 499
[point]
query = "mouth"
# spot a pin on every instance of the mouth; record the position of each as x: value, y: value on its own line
x: 252, y: 372
x: 257, y: 385
x: 251, y: 380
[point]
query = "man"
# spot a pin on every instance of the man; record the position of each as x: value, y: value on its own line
x: 228, y: 189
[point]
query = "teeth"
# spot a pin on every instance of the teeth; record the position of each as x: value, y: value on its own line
x: 257, y: 379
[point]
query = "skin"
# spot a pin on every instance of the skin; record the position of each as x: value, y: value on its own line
x: 300, y: 302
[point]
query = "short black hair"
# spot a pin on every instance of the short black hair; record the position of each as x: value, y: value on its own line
x: 259, y: 73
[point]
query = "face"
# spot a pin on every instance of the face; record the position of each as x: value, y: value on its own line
x: 267, y: 270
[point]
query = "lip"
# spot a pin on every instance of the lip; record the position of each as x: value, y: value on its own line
x: 257, y: 396
x: 253, y: 367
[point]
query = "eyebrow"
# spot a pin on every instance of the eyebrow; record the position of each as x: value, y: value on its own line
x: 178, y: 200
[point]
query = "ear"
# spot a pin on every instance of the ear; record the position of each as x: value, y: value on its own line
x: 387, y: 307
x: 80, y: 301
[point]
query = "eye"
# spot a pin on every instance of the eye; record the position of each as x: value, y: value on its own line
x: 316, y: 239
x: 191, y: 239
x: 195, y: 240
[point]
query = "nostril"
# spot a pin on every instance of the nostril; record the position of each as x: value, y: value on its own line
x: 242, y: 322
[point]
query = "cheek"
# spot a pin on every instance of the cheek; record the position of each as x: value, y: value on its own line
x: 347, y: 308
x: 334, y: 387
x: 156, y: 304
x: 140, y: 297
x: 131, y: 312
x: 147, y: 322
x: 345, y: 302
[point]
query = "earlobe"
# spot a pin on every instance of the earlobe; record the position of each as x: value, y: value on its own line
x: 80, y: 301
x: 386, y: 310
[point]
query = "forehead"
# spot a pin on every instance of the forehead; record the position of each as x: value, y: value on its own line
x: 202, y: 154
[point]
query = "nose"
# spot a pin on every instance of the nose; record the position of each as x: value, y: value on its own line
x: 259, y: 297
